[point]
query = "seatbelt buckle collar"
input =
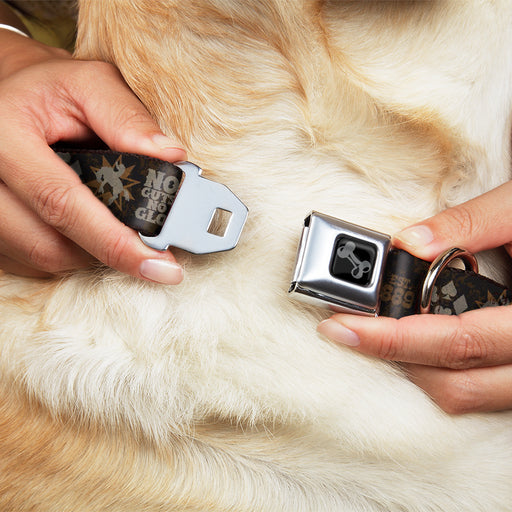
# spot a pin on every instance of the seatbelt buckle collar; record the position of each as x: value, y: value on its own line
x: 188, y: 224
x: 340, y: 265
x: 352, y: 269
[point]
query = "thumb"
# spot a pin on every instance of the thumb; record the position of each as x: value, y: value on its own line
x: 479, y: 224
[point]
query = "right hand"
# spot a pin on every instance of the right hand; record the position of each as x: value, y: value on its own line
x: 463, y: 362
x: 51, y: 222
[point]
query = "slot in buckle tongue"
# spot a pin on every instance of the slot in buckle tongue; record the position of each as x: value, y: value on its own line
x: 187, y: 225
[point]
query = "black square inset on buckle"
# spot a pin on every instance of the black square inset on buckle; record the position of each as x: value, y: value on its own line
x: 353, y: 260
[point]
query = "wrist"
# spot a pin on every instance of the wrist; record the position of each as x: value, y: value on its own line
x: 18, y: 52
x: 11, y: 28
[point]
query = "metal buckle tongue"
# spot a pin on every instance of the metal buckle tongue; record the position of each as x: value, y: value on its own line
x: 188, y: 222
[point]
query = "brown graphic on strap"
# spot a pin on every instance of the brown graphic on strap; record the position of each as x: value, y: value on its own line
x: 112, y: 184
x: 137, y: 189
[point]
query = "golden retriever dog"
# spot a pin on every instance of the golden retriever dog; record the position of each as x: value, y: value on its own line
x: 217, y: 394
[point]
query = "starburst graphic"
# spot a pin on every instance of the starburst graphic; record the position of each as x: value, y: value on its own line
x: 112, y: 184
x: 492, y: 301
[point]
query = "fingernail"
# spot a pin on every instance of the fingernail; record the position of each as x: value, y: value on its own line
x: 338, y: 333
x: 164, y: 142
x: 416, y: 236
x: 161, y: 271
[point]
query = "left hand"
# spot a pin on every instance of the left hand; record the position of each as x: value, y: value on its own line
x: 51, y: 222
x: 463, y: 362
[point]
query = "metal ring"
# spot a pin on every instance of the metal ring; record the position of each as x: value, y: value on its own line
x: 437, y: 266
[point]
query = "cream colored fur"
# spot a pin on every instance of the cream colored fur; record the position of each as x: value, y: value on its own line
x: 217, y: 394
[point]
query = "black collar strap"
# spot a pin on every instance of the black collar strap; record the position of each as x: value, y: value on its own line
x: 353, y: 269
x: 453, y: 292
x: 168, y: 204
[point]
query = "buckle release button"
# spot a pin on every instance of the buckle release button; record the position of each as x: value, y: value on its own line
x: 353, y: 260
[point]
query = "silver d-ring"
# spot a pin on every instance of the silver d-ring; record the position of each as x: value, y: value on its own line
x: 437, y: 266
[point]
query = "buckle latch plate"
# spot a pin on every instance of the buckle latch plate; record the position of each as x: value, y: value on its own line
x: 340, y: 265
x: 188, y: 222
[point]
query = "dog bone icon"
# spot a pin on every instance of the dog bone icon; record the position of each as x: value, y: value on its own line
x: 360, y: 267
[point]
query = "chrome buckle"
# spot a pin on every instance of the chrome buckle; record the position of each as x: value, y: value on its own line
x: 340, y: 265
x: 188, y: 222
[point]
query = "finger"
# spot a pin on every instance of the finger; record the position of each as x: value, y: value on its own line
x: 479, y: 224
x: 117, y: 116
x: 474, y: 339
x: 68, y: 105
x: 59, y: 198
x: 29, y: 242
x: 463, y: 391
x: 10, y: 266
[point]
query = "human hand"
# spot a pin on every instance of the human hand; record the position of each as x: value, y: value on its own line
x: 51, y: 222
x: 463, y: 362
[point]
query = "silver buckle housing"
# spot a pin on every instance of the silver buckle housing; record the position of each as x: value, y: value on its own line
x: 339, y: 265
x: 187, y: 224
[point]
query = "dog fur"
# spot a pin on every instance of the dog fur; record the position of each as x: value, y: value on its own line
x: 217, y: 394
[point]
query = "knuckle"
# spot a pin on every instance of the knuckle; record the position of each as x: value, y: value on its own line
x: 461, y: 220
x: 465, y: 349
x: 388, y: 346
x: 54, y: 206
x: 98, y: 69
x: 460, y: 393
x: 130, y: 118
x: 42, y: 257
x: 115, y: 252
